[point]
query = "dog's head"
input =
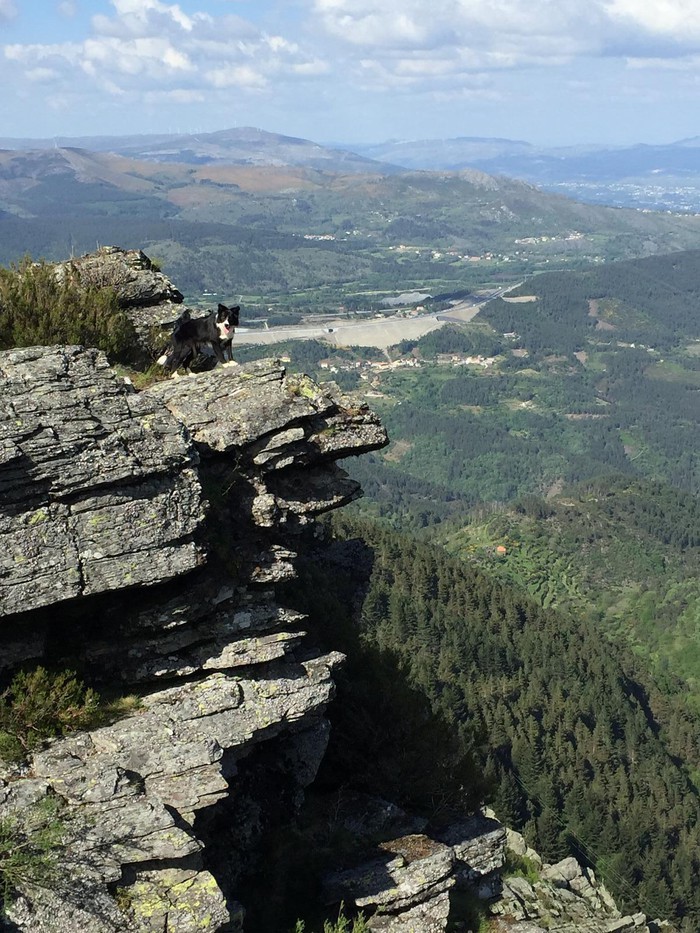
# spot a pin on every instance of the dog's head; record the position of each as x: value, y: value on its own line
x: 227, y: 320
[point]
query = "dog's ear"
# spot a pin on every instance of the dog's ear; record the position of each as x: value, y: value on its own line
x: 222, y: 308
x: 234, y: 314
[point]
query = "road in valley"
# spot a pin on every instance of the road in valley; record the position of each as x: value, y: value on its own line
x: 378, y: 332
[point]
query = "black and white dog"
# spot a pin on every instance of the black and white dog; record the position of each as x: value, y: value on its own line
x: 192, y: 334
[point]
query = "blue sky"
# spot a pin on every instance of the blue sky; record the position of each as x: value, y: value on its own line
x: 553, y: 72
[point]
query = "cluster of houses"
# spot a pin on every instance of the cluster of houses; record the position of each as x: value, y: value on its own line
x: 367, y: 369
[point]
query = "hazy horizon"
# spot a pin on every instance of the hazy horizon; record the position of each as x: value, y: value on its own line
x: 338, y: 144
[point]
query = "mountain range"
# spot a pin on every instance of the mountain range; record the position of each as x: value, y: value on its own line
x: 239, y: 146
x: 665, y: 177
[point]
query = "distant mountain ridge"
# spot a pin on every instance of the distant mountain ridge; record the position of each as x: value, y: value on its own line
x: 237, y: 146
x: 656, y: 177
x: 550, y: 163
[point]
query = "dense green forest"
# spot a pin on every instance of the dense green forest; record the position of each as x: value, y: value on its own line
x: 623, y: 552
x: 579, y: 747
x: 651, y: 301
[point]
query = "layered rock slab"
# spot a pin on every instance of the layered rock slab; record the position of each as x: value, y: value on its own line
x: 103, y: 475
x: 98, y: 484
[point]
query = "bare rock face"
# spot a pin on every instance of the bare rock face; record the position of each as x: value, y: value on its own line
x: 99, y: 484
x: 407, y: 888
x: 132, y: 275
x: 142, y: 537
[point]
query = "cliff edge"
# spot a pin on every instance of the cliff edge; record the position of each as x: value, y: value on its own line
x: 143, y: 535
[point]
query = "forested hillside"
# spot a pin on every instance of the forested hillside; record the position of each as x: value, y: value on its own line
x: 623, y: 552
x: 561, y: 475
x: 580, y: 748
x: 654, y: 301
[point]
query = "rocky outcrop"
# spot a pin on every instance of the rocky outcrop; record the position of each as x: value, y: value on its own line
x: 568, y: 898
x: 99, y: 485
x: 133, y: 276
x: 143, y: 536
x: 146, y: 295
x: 408, y: 886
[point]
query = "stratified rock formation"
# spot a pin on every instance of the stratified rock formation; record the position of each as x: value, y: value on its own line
x: 142, y: 537
x: 405, y: 887
x: 137, y: 283
x: 146, y: 295
x: 99, y: 486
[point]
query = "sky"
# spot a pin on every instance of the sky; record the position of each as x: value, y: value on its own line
x: 551, y: 72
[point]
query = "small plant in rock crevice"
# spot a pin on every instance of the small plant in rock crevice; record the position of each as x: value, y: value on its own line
x: 342, y: 925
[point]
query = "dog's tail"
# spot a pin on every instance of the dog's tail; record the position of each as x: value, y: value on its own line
x: 164, y: 360
x: 183, y: 319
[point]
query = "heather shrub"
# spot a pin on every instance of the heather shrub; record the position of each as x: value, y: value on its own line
x: 30, y: 841
x: 39, y: 705
x: 38, y: 307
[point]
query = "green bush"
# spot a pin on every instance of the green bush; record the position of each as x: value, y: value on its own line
x: 39, y: 705
x: 342, y: 925
x: 520, y: 866
x: 37, y: 307
x: 29, y: 843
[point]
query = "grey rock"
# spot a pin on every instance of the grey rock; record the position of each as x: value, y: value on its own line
x: 563, y: 873
x: 429, y: 917
x: 129, y: 272
x: 412, y: 870
x: 101, y: 493
x: 185, y: 900
x: 288, y: 419
x: 478, y: 844
x: 516, y: 843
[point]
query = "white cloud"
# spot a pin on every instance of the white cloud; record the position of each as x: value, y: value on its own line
x: 153, y: 57
x: 177, y: 96
x: 678, y: 20
x: 476, y: 35
x: 8, y: 10
x: 41, y: 75
x: 314, y: 67
x: 61, y: 54
x: 241, y: 77
x: 152, y: 47
x: 138, y: 15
